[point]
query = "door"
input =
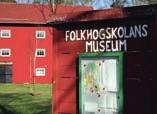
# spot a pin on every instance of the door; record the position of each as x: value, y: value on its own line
x: 100, y: 85
x: 5, y: 73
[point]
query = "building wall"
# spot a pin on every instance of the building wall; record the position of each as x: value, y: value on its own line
x: 66, y: 75
x: 138, y: 67
x: 23, y: 43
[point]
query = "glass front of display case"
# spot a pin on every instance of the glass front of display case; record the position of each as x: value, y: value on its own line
x: 100, y: 84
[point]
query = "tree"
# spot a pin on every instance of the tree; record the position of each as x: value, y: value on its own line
x: 40, y: 1
x: 66, y: 2
x: 140, y: 2
x: 13, y: 1
x: 152, y: 1
x: 85, y: 2
x: 97, y: 4
x: 48, y: 1
x: 119, y: 3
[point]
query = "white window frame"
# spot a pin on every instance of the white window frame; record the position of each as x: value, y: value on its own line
x: 44, y: 34
x: 5, y: 49
x: 39, y: 73
x: 5, y: 30
x: 41, y: 49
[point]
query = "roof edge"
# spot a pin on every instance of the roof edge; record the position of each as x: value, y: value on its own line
x: 106, y: 14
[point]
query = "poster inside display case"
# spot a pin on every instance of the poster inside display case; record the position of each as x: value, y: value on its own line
x: 101, y: 84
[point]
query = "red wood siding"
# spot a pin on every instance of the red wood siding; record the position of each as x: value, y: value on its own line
x: 23, y: 43
x: 65, y: 74
x: 138, y: 67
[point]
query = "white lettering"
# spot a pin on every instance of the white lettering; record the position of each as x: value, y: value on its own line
x: 89, y: 34
x: 67, y: 35
x: 72, y: 35
x: 102, y: 47
x: 88, y: 46
x: 120, y: 32
x: 132, y: 33
x: 95, y: 34
x: 83, y: 34
x: 102, y: 34
x: 107, y: 39
x: 108, y: 36
x: 108, y: 48
x: 145, y: 31
x: 138, y: 30
x: 123, y: 44
x: 115, y: 46
x: 114, y: 33
x: 125, y: 33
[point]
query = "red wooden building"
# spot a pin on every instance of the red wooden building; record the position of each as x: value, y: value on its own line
x: 101, y: 62
x: 104, y: 61
x: 26, y: 41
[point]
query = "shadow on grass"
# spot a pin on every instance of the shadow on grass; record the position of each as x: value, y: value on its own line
x: 4, y: 110
x: 24, y: 103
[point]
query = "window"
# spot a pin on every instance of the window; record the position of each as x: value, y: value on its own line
x: 40, y: 53
x: 5, y: 52
x: 5, y: 72
x: 5, y: 33
x: 40, y: 34
x: 40, y: 71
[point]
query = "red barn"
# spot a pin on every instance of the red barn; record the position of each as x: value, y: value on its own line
x: 26, y: 42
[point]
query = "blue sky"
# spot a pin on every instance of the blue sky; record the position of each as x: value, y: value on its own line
x: 101, y: 4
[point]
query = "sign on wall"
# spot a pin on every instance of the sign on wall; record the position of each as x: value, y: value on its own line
x: 108, y: 38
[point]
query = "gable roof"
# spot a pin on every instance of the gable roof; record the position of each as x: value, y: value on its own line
x: 106, y: 14
x: 34, y: 13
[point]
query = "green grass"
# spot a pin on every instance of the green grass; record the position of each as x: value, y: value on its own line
x: 25, y: 99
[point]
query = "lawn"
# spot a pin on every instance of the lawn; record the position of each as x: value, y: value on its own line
x: 25, y: 99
